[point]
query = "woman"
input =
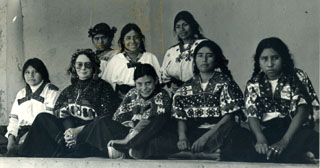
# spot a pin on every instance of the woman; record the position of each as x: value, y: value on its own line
x: 177, y: 66
x: 137, y: 124
x: 205, y: 107
x: 120, y: 71
x: 101, y: 37
x: 280, y: 98
x: 38, y: 96
x: 86, y: 99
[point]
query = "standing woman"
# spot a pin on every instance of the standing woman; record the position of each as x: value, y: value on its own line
x: 101, y: 37
x: 87, y: 98
x: 205, y: 107
x: 280, y: 101
x: 177, y: 66
x: 37, y: 97
x: 120, y: 71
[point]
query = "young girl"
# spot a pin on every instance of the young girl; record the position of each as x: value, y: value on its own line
x: 279, y: 102
x: 205, y: 107
x: 119, y: 72
x: 38, y: 96
x: 137, y: 124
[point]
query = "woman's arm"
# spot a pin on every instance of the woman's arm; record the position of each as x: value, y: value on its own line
x: 183, y: 143
x: 296, y: 123
x: 199, y: 144
x: 262, y: 144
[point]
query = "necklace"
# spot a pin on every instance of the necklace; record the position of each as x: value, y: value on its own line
x: 77, y: 110
x: 185, y: 52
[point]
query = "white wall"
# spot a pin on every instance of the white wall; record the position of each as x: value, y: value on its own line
x: 53, y: 30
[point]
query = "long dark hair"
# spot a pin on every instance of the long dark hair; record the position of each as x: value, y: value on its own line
x: 220, y: 60
x: 188, y: 17
x: 93, y: 59
x: 37, y: 64
x: 281, y: 48
x: 126, y: 29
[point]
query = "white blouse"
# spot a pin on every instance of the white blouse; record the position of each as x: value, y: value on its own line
x: 178, y: 65
x: 117, y: 71
x: 26, y: 107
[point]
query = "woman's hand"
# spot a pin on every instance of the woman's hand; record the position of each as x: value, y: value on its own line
x: 119, y: 142
x: 70, y: 136
x: 199, y: 144
x: 276, y: 149
x: 11, y: 142
x: 262, y: 145
x: 183, y: 144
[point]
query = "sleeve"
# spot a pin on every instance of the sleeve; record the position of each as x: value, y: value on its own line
x: 51, y: 98
x: 165, y: 78
x: 156, y: 65
x: 61, y: 109
x: 159, y: 104
x: 108, y: 100
x: 124, y: 112
x: 311, y: 92
x: 110, y: 74
x: 178, y: 111
x: 231, y: 98
x: 13, y: 126
x: 252, y: 93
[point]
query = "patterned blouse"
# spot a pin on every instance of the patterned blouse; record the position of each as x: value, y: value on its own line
x: 221, y: 96
x: 260, y: 102
x: 135, y: 108
x: 177, y: 64
x: 86, y: 100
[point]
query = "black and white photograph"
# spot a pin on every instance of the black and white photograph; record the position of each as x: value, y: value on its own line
x: 159, y: 83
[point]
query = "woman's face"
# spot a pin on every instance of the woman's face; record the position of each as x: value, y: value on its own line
x: 101, y: 42
x: 145, y: 85
x: 205, y: 60
x: 32, y: 76
x: 132, y: 41
x: 83, y: 67
x: 270, y: 63
x: 183, y: 30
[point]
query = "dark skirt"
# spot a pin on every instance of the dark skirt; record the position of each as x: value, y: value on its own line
x: 304, y: 140
x: 43, y: 137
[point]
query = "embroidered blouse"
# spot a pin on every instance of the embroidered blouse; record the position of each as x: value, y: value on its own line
x: 262, y: 104
x: 86, y: 100
x: 135, y: 108
x: 221, y: 96
x: 105, y: 58
x: 177, y: 64
x: 117, y: 71
x: 28, y: 105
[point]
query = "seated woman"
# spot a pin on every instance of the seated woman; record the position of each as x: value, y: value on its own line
x: 177, y: 65
x: 38, y: 96
x: 142, y: 116
x: 205, y: 107
x: 279, y: 102
x: 87, y: 98
x: 119, y: 72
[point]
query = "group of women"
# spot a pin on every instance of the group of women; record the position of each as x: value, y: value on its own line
x: 122, y: 104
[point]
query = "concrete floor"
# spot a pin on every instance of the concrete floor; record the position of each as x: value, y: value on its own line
x: 127, y: 163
